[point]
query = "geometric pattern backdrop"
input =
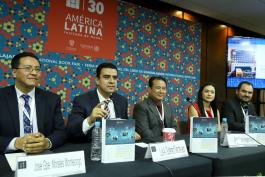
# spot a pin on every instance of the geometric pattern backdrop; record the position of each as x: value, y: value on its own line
x: 149, y: 43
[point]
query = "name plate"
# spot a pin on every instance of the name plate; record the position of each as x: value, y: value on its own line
x: 167, y: 150
x: 60, y: 164
x: 240, y: 140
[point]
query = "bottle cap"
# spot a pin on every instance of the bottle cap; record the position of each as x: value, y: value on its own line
x: 224, y: 119
x: 97, y: 124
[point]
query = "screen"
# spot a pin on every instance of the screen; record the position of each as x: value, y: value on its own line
x: 245, y: 61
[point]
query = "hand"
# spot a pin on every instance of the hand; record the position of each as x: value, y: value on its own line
x: 137, y: 136
x: 32, y: 143
x: 97, y: 112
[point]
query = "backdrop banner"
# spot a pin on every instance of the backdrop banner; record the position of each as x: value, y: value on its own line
x: 148, y: 44
x: 83, y: 27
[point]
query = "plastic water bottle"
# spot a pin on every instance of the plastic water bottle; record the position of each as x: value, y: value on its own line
x: 224, y: 130
x: 96, y: 143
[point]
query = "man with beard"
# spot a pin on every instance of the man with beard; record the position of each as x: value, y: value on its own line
x: 235, y: 109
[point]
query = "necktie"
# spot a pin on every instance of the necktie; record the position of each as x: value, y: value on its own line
x: 106, y: 108
x: 26, y: 115
x: 159, y: 107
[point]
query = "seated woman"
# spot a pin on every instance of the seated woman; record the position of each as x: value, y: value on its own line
x: 206, y: 105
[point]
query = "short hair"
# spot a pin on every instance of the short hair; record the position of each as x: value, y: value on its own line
x: 243, y: 82
x: 16, y: 59
x: 150, y: 82
x: 105, y: 65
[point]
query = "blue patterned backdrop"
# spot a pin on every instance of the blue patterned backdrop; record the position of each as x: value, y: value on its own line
x: 149, y: 43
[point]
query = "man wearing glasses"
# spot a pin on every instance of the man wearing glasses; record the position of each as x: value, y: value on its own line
x: 31, y: 119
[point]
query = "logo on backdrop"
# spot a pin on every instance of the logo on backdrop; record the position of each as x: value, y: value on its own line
x: 83, y: 27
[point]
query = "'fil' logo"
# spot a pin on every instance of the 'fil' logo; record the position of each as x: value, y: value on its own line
x: 73, y: 4
x: 71, y: 43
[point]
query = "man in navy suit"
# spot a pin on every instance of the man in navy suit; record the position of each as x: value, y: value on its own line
x: 100, y: 103
x: 31, y: 119
x: 153, y: 114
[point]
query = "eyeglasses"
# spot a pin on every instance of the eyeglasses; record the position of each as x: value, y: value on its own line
x: 29, y: 69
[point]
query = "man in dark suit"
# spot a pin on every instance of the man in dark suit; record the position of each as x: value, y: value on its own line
x: 31, y: 119
x: 236, y: 108
x: 152, y: 114
x: 97, y: 104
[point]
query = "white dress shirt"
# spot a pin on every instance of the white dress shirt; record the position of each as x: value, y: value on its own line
x: 86, y: 126
x: 33, y: 115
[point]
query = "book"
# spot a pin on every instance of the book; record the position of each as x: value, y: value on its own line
x: 118, y: 142
x: 203, y: 135
x: 255, y: 128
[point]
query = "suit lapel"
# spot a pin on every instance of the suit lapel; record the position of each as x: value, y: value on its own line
x: 166, y: 115
x: 153, y: 109
x: 13, y: 108
x: 94, y: 99
x: 40, y: 109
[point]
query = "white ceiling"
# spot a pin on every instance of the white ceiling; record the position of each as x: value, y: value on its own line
x: 247, y: 14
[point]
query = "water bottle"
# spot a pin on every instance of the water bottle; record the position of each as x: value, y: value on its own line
x: 224, y: 130
x: 96, y: 143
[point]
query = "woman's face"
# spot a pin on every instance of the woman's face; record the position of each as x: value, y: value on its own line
x: 208, y: 93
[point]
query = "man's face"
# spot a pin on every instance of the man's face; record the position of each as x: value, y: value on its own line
x: 245, y: 93
x: 107, y: 81
x: 158, y: 90
x: 27, y: 74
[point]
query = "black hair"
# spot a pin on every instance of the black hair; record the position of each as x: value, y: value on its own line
x: 105, y: 65
x: 16, y: 59
x: 200, y: 100
x: 243, y: 82
x: 150, y: 82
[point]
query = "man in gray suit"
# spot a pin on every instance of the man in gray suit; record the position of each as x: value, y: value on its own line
x: 152, y: 115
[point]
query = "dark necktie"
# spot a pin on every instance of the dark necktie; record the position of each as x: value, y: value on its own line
x: 159, y: 107
x: 106, y: 108
x: 26, y: 115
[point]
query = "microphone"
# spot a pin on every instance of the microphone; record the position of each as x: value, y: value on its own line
x: 189, y: 100
x: 245, y: 106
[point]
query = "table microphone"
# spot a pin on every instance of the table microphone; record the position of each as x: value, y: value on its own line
x: 245, y: 106
x: 189, y: 100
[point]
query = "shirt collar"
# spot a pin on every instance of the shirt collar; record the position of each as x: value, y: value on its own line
x: 19, y: 93
x: 101, y: 98
x: 157, y: 103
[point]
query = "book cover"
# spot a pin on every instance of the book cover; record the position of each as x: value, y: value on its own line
x: 255, y: 128
x: 118, y: 143
x: 203, y: 135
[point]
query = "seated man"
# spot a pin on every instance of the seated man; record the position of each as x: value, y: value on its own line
x: 31, y: 119
x: 100, y: 103
x: 236, y: 108
x: 152, y: 114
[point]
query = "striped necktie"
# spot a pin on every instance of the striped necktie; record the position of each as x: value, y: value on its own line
x: 26, y: 115
x: 106, y: 108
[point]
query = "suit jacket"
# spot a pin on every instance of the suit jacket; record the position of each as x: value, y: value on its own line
x: 82, y: 108
x: 148, y: 122
x: 49, y: 117
x: 232, y: 110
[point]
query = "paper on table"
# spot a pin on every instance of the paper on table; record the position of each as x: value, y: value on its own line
x: 12, y: 159
x: 142, y: 145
